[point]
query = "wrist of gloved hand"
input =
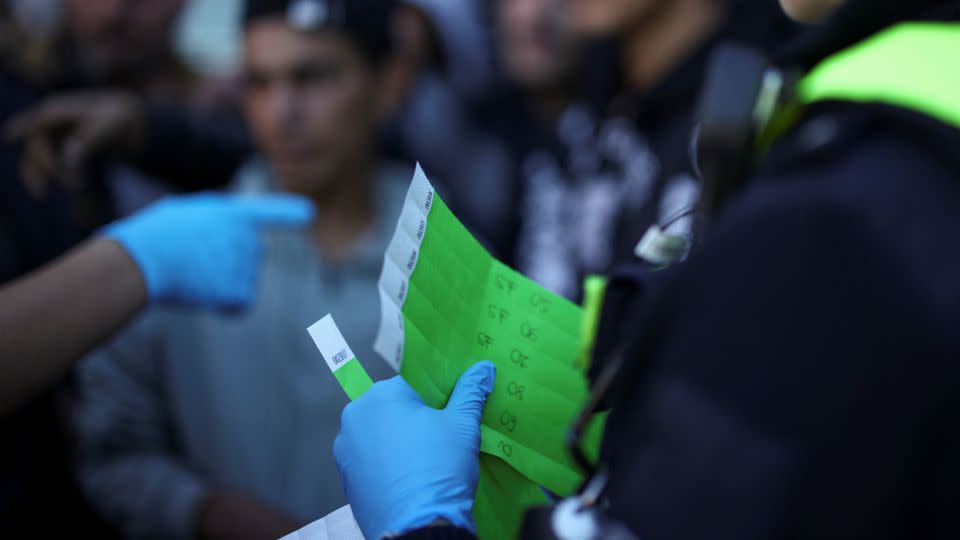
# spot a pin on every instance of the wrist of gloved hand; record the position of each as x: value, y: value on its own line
x: 437, y: 531
x: 153, y: 256
x: 440, y: 529
x: 427, y: 510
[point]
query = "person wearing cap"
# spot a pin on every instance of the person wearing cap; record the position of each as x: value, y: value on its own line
x: 199, y: 424
x: 797, y: 376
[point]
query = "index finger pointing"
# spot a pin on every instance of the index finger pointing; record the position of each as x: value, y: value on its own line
x: 282, y: 210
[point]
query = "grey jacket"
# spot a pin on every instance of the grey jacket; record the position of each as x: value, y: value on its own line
x: 185, y: 402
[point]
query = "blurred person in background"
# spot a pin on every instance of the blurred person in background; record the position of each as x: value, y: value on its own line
x: 541, y: 60
x: 114, y: 93
x: 449, y: 50
x: 197, y: 424
x: 618, y: 159
x: 47, y: 46
x: 53, y: 46
x: 80, y: 41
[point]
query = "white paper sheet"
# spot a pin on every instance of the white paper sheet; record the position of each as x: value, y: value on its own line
x: 338, y: 525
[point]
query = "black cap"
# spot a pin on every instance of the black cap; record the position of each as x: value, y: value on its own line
x: 367, y: 23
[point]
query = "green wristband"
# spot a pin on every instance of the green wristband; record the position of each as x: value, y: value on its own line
x: 342, y: 362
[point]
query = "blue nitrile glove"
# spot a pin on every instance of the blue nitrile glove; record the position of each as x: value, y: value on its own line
x: 204, y: 250
x: 404, y: 464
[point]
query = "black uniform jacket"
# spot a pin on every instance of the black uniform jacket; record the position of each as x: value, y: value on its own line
x: 799, y: 376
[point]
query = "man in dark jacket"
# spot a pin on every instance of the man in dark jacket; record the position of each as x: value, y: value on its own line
x: 796, y: 377
x: 602, y: 152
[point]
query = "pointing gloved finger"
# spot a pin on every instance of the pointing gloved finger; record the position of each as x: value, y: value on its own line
x: 276, y: 210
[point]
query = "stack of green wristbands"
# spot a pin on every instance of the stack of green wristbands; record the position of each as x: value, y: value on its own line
x: 446, y: 304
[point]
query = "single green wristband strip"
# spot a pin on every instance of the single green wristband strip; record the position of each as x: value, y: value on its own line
x: 353, y: 379
x: 342, y: 362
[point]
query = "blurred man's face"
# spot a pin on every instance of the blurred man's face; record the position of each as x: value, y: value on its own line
x: 311, y: 99
x: 602, y: 18
x: 118, y: 35
x: 536, y: 40
x: 809, y: 11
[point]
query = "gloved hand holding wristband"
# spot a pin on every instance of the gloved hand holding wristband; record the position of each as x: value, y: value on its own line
x: 405, y: 465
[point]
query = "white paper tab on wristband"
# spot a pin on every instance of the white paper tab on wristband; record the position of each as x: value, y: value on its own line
x: 333, y: 347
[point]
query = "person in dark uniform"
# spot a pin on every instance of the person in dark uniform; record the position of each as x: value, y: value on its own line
x: 796, y: 377
x: 601, y: 154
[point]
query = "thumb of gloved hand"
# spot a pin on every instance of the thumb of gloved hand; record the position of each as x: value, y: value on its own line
x: 404, y: 464
x: 468, y: 398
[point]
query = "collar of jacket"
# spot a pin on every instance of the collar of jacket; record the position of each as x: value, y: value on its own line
x: 908, y: 65
x: 855, y: 21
